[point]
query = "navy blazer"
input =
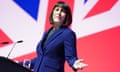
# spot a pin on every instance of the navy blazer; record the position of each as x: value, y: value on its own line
x: 60, y: 46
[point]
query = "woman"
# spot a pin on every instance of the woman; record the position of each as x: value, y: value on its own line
x: 58, y: 43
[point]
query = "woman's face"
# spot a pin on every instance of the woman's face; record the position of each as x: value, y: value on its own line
x: 59, y: 15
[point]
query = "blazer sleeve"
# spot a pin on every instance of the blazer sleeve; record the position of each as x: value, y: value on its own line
x: 70, y: 48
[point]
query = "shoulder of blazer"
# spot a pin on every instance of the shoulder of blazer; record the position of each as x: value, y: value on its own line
x: 69, y: 31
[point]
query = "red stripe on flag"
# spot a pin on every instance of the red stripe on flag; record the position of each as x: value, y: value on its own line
x: 101, y: 51
x: 26, y: 56
x: 101, y: 6
x: 4, y: 38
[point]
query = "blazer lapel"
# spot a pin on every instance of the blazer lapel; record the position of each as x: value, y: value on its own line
x: 44, y: 37
x: 54, y: 36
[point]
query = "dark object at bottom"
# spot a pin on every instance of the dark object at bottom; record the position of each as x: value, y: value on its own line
x: 7, y: 65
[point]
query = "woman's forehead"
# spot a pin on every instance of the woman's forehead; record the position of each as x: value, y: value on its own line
x: 58, y: 7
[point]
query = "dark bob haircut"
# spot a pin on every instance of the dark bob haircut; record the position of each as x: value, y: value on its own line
x: 68, y: 19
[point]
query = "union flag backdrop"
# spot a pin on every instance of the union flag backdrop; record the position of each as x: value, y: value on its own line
x: 96, y: 23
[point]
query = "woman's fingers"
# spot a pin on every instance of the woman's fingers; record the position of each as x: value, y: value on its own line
x: 79, y: 60
x: 79, y: 64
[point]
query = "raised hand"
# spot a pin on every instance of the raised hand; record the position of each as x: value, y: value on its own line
x: 79, y: 64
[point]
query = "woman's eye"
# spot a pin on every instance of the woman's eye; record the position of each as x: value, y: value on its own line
x: 57, y: 9
x: 62, y: 10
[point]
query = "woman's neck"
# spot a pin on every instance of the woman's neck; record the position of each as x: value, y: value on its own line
x: 56, y: 26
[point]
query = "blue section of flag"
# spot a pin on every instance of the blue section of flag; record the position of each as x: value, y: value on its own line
x: 30, y: 6
x: 85, y: 1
